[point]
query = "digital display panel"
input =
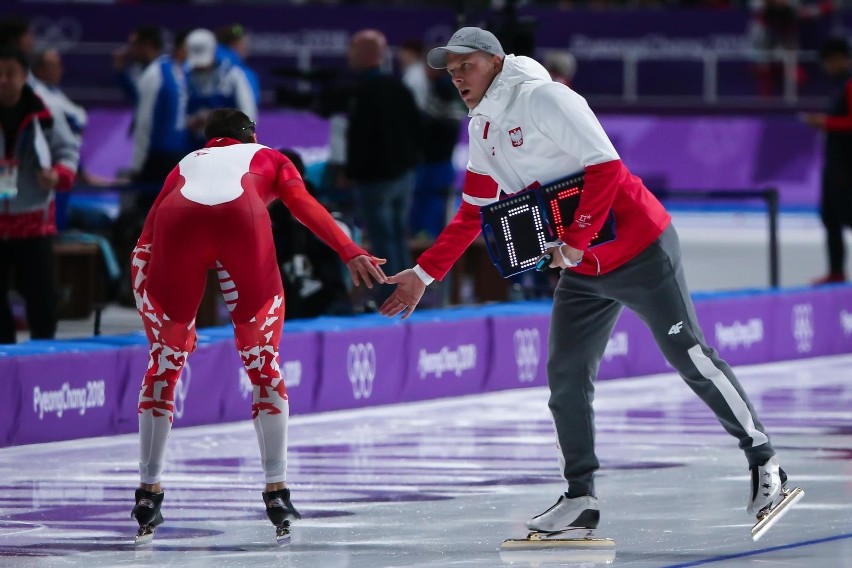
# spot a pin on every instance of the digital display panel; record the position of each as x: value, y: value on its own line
x: 560, y: 201
x: 517, y: 228
x: 515, y: 233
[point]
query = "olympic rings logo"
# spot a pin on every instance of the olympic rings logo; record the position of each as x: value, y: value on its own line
x: 527, y: 353
x: 361, y: 367
x: 803, y: 327
x: 182, y: 389
x: 60, y: 33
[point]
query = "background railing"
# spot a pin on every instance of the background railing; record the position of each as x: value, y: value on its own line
x: 769, y: 196
x: 709, y: 77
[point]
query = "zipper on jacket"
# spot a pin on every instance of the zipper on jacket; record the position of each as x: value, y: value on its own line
x: 598, y: 263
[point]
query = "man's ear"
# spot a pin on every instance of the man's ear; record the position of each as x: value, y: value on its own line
x: 497, y: 63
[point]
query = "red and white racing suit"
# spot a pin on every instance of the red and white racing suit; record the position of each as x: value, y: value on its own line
x: 211, y: 213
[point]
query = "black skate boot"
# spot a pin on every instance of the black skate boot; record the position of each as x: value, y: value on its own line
x: 147, y: 514
x: 280, y: 511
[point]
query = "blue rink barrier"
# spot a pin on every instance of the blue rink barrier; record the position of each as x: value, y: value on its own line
x: 68, y: 389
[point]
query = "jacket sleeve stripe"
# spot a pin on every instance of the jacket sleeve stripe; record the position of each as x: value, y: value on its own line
x: 480, y: 185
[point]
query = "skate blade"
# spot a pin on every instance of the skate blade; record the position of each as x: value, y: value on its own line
x: 573, y: 539
x: 144, y: 536
x: 774, y: 515
x: 557, y: 547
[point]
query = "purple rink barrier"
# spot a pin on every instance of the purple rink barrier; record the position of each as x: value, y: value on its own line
x: 806, y: 323
x: 69, y: 393
x: 740, y: 328
x: 841, y: 320
x: 63, y: 389
x: 9, y: 387
x: 446, y: 358
x: 519, y: 351
x: 361, y: 365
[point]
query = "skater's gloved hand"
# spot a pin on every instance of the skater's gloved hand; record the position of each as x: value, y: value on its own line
x: 407, y: 295
x: 366, y: 268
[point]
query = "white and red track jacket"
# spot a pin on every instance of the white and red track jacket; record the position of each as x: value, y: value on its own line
x: 251, y: 168
x: 529, y: 131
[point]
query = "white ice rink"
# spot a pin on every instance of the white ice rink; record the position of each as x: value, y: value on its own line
x: 442, y: 483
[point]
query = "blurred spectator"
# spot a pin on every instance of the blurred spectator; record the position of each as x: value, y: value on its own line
x: 46, y: 80
x: 213, y: 83
x: 382, y: 145
x: 410, y: 56
x: 18, y: 33
x: 47, y: 70
x: 561, y: 65
x: 160, y: 140
x: 234, y: 48
x: 129, y: 62
x: 329, y: 96
x: 836, y: 198
x: 39, y: 156
x: 441, y: 117
x: 775, y: 33
x: 160, y: 136
x: 312, y: 273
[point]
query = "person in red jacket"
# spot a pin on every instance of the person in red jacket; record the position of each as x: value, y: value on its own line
x: 836, y: 192
x: 525, y: 131
x: 212, y: 213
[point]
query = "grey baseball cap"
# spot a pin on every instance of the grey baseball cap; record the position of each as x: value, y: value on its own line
x: 465, y: 40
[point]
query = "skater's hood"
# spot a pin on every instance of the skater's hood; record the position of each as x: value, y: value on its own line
x: 517, y: 70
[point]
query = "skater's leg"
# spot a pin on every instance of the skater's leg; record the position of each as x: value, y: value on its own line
x: 258, y: 341
x: 664, y: 304
x: 171, y: 340
x: 251, y: 285
x: 580, y: 326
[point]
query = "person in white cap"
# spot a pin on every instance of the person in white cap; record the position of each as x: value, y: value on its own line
x: 620, y: 249
x: 213, y: 83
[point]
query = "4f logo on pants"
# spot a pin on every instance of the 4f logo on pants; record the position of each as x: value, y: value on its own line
x: 675, y: 329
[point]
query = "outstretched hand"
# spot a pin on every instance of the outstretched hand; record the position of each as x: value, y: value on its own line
x: 364, y: 268
x: 407, y: 295
x: 814, y: 119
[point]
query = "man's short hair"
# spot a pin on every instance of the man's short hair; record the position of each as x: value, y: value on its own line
x: 230, y: 34
x: 151, y: 35
x: 12, y: 30
x: 834, y: 46
x: 413, y: 45
x: 180, y: 38
x: 229, y: 123
x: 7, y: 52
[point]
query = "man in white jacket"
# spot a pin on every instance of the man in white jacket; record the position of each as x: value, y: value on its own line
x: 619, y: 250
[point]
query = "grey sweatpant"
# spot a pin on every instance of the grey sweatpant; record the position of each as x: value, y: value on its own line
x: 585, y: 310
